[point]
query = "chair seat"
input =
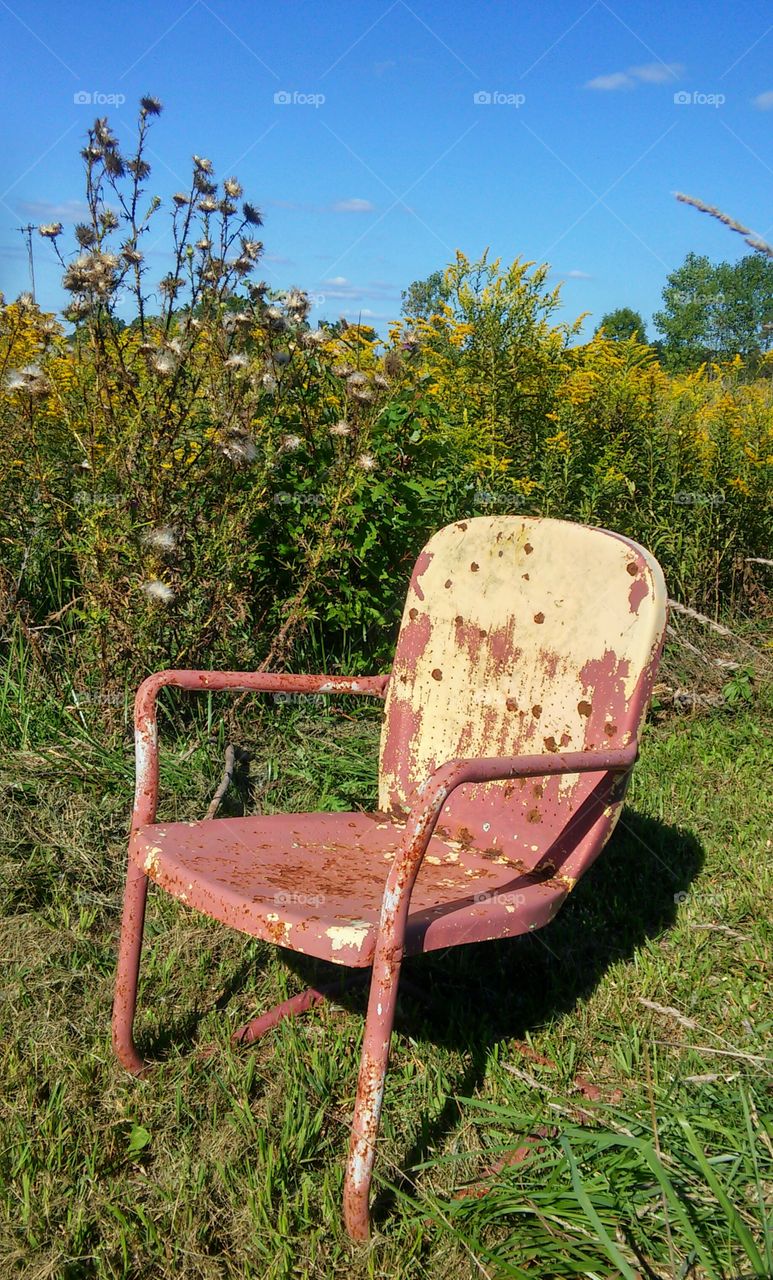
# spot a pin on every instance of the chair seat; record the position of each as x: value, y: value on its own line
x: 313, y: 882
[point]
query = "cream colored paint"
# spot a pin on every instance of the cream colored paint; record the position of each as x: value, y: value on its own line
x: 578, y: 579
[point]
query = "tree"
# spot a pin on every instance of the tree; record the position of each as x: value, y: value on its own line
x: 424, y: 298
x: 623, y: 323
x: 714, y: 311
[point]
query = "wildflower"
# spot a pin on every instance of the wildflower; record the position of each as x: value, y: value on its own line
x: 356, y: 379
x: 162, y: 539
x: 232, y: 188
x: 208, y: 205
x: 239, y: 448
x: 364, y: 394
x: 380, y: 381
x: 291, y: 442
x: 157, y: 590
x: 237, y: 361
x: 366, y: 461
x: 251, y: 214
x: 180, y: 199
x: 341, y: 428
x: 203, y: 244
x: 50, y: 230
x: 252, y: 249
x: 203, y: 166
x: 150, y: 106
x: 86, y: 236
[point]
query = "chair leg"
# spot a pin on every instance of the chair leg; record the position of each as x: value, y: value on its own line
x: 130, y: 951
x: 370, y: 1095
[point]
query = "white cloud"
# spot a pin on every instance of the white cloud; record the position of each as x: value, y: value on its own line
x: 617, y: 80
x: 657, y: 72
x: 353, y: 205
x: 67, y: 211
x: 336, y: 280
x: 764, y: 101
x: 578, y: 275
x: 650, y: 73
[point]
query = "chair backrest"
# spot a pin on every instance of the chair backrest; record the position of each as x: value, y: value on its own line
x: 520, y: 635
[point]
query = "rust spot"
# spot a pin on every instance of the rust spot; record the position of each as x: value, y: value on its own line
x: 610, y: 729
x: 528, y: 548
x: 413, y: 614
x: 511, y: 704
x: 447, y: 583
x: 632, y: 568
x: 539, y: 617
x: 462, y: 524
x: 500, y: 554
x: 474, y: 567
x: 538, y: 789
x: 550, y: 743
x: 534, y: 815
x: 526, y: 576
x: 437, y: 674
x: 536, y: 711
x: 584, y: 708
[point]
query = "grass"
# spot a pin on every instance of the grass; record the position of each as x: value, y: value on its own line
x: 628, y: 1046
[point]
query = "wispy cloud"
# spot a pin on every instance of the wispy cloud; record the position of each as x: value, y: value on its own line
x: 764, y: 101
x: 578, y: 275
x: 47, y: 210
x: 353, y: 205
x: 650, y: 73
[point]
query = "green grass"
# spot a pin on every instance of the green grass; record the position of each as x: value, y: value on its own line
x: 227, y: 1163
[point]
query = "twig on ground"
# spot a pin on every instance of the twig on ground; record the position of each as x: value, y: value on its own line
x: 225, y: 781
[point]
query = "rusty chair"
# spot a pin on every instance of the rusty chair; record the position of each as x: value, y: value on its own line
x: 512, y: 712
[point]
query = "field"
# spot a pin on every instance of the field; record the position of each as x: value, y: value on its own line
x: 594, y: 1099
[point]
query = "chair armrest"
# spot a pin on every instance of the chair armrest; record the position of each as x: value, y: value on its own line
x: 146, y: 728
x: 435, y: 790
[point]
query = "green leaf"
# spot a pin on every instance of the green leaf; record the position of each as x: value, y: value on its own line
x: 139, y: 1139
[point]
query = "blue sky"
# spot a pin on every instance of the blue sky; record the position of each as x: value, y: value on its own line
x: 384, y: 160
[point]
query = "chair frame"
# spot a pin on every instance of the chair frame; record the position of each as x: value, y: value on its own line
x: 389, y: 948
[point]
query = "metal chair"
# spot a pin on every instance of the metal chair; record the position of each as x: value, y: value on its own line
x: 523, y: 666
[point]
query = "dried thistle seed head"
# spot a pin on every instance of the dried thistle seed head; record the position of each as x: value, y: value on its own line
x: 132, y: 255
x: 239, y: 448
x: 356, y: 379
x: 252, y: 249
x: 313, y: 338
x: 50, y: 230
x: 92, y: 273
x: 366, y: 461
x: 103, y: 133
x: 139, y: 168
x: 227, y: 208
x: 290, y: 442
x: 270, y: 383
x: 157, y: 590
x: 162, y: 540
x: 251, y: 214
x: 108, y: 220
x: 170, y: 286
x: 297, y: 304
x: 202, y: 165
x: 203, y: 244
x: 392, y: 364
x: 342, y: 370
x: 180, y: 199
x: 363, y: 394
x: 175, y: 346
x: 232, y: 188
x: 114, y: 164
x: 341, y: 429
x: 202, y: 184
x: 30, y: 379
x: 150, y: 106
x: 237, y: 361
x: 208, y: 205
x: 164, y: 363
x: 86, y: 236
x: 380, y: 381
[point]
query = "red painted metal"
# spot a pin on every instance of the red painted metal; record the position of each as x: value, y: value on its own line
x: 511, y: 725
